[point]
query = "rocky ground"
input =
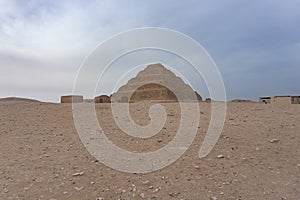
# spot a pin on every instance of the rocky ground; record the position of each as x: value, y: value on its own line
x: 256, y: 157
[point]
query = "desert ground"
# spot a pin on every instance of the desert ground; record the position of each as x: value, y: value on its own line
x: 256, y: 157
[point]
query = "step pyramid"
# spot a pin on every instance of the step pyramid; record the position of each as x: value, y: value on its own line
x: 157, y: 83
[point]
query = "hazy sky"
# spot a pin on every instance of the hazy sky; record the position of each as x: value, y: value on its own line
x: 255, y: 44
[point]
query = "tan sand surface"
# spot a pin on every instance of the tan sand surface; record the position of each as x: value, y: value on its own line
x: 256, y: 157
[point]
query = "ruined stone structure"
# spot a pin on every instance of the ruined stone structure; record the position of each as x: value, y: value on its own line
x: 102, y: 99
x: 285, y: 100
x: 155, y: 82
x: 208, y: 100
x: 71, y: 99
x: 265, y: 100
x: 295, y: 99
x: 280, y: 100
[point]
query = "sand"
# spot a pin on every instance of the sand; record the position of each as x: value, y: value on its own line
x: 256, y: 157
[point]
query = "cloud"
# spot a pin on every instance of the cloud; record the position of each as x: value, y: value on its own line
x: 255, y: 44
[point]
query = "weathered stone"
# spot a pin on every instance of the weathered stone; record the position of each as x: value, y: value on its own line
x: 155, y: 83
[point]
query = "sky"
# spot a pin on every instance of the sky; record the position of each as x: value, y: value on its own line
x: 255, y: 44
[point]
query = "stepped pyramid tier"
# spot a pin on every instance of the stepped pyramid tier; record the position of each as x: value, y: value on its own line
x: 155, y: 82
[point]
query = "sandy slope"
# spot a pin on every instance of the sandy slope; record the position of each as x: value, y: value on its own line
x: 41, y: 152
x: 17, y: 99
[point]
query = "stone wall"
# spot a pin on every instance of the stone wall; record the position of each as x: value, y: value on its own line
x: 71, y: 99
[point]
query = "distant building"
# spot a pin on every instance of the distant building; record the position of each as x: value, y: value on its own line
x: 280, y: 100
x: 285, y: 100
x: 102, y: 99
x: 265, y: 100
x: 71, y: 99
x: 295, y: 99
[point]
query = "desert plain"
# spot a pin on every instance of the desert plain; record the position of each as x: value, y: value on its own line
x: 256, y: 157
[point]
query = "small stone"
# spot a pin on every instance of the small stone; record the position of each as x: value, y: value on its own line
x: 65, y: 193
x: 79, y: 188
x: 92, y: 183
x: 146, y: 182
x: 213, y: 198
x: 5, y: 190
x: 298, y: 165
x: 150, y: 187
x: 274, y: 140
x: 157, y: 190
x: 78, y: 174
x: 159, y: 140
x: 221, y: 193
x: 142, y: 195
x: 99, y: 198
x: 197, y: 167
x: 220, y: 156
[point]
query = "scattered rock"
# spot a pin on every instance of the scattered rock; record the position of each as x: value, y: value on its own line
x: 274, y: 140
x: 146, y: 182
x: 142, y: 195
x: 78, y: 174
x: 157, y: 189
x: 79, y: 188
x: 159, y: 140
x: 220, y: 156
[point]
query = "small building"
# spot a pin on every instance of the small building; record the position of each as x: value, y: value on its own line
x: 102, y: 99
x: 265, y: 100
x: 71, y: 99
x: 281, y: 100
x: 295, y: 99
